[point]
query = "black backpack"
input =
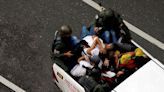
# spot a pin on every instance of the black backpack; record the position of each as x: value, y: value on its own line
x: 88, y: 83
x: 91, y: 85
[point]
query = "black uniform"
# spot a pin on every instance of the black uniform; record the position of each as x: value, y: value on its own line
x: 109, y: 19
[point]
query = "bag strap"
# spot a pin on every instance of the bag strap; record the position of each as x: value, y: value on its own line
x: 56, y: 34
x: 55, y: 37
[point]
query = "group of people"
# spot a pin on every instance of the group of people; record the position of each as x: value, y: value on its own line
x: 103, y: 52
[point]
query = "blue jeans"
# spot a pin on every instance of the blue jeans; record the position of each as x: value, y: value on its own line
x: 106, y: 35
x: 85, y: 31
x: 74, y: 40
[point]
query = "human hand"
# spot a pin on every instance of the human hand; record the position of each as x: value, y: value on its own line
x: 102, y: 50
x: 96, y: 29
x: 68, y: 54
x: 119, y: 73
x: 109, y: 46
x: 106, y: 62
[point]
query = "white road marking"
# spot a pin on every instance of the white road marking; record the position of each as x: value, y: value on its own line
x: 94, y: 5
x: 10, y: 85
x: 130, y: 26
x: 149, y: 55
x: 144, y: 35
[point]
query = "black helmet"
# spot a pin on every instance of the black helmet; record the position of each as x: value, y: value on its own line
x: 65, y: 30
x: 104, y: 17
x: 106, y: 13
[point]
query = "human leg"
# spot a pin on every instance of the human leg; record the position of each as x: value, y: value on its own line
x: 91, y: 30
x: 113, y: 34
x: 106, y: 36
x: 124, y: 47
x: 84, y: 32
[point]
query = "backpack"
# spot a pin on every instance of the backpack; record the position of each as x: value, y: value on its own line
x: 55, y: 38
x: 88, y: 83
x: 91, y: 85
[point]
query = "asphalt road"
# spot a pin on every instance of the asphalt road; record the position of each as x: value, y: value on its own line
x: 27, y: 28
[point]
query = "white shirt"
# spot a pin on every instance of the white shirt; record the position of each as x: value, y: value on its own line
x: 90, y: 39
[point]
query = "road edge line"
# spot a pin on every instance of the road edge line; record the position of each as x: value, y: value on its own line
x: 10, y: 85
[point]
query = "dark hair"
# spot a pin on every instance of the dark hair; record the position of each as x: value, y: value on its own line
x: 65, y: 30
x: 83, y: 42
x: 95, y: 59
x: 110, y: 54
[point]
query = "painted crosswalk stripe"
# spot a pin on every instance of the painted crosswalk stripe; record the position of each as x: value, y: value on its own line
x: 10, y: 85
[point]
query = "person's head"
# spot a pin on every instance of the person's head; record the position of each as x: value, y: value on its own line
x: 84, y: 43
x: 106, y: 13
x: 65, y: 31
x: 95, y: 60
x: 110, y: 54
x: 104, y: 17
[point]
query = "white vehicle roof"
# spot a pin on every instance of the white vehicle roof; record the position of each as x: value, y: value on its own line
x: 149, y: 78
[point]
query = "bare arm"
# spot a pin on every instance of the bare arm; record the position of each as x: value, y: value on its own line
x: 81, y: 58
x: 95, y: 43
